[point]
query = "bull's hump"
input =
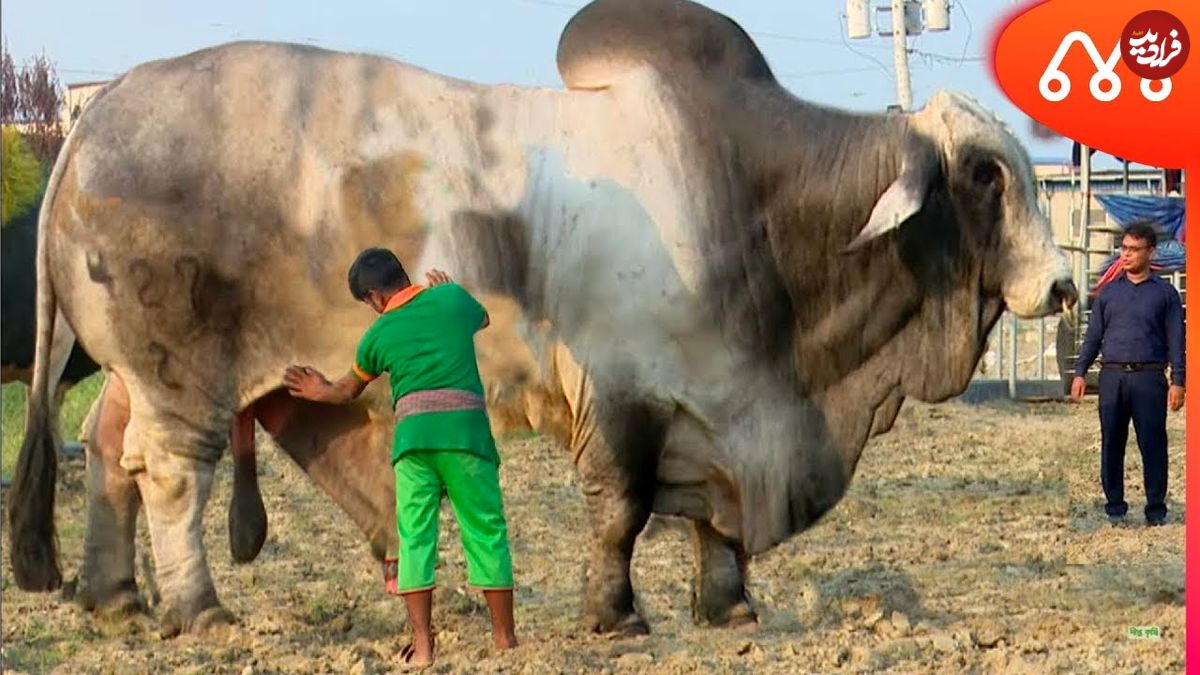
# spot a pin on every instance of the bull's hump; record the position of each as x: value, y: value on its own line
x: 684, y: 41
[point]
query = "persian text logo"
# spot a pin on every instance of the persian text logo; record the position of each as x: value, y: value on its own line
x: 1154, y: 46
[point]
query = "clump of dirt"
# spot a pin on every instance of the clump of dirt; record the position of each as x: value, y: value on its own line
x: 972, y: 538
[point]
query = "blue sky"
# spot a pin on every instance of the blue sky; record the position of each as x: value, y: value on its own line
x: 513, y: 41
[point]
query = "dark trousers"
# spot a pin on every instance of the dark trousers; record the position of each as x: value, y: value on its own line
x: 1142, y: 397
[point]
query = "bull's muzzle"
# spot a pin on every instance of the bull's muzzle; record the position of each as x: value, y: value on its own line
x: 1064, y: 294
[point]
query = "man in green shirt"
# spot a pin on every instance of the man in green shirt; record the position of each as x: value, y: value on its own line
x: 424, y: 339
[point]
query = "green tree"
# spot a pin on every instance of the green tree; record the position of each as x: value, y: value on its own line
x: 21, y: 175
x: 31, y: 96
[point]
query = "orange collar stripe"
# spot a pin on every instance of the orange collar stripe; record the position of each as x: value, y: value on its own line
x: 401, y: 298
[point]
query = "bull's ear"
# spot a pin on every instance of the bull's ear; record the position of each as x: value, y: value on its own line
x: 905, y: 196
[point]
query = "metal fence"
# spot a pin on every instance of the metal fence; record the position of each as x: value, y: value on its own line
x: 1021, y: 351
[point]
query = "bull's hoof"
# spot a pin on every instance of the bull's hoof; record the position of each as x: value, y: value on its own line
x: 118, y: 602
x: 726, y: 616
x: 212, y: 618
x: 68, y: 589
x: 174, y: 623
x: 624, y: 625
x: 122, y: 605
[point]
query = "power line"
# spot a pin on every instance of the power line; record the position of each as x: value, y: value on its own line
x: 842, y: 34
x: 932, y: 57
x: 821, y: 73
x: 970, y: 29
x: 805, y: 40
x: 80, y: 71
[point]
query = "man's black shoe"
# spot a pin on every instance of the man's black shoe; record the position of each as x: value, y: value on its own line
x: 1116, y: 521
x: 1156, y: 522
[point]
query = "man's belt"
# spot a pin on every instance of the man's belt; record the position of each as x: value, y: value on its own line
x: 1131, y: 367
x: 437, y: 400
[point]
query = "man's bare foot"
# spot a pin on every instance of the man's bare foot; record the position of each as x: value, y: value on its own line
x: 417, y: 654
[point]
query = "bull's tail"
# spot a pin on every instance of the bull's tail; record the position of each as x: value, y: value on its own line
x: 33, y: 551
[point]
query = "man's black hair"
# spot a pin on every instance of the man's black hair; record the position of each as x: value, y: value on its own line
x: 376, y: 269
x: 1144, y: 230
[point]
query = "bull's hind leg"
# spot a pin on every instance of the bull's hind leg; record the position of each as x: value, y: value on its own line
x: 719, y: 595
x: 175, y: 477
x: 106, y: 580
x: 618, y: 480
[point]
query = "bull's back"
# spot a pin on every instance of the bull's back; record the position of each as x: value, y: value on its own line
x: 224, y: 193
x: 248, y: 126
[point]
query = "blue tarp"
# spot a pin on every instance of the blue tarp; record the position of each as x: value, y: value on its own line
x: 1125, y: 209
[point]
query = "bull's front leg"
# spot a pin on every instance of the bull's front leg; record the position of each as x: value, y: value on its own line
x: 719, y: 596
x: 618, y: 480
x: 106, y: 581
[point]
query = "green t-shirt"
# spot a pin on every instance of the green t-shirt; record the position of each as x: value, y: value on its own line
x: 425, y: 340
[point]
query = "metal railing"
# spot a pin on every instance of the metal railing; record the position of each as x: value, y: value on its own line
x: 1021, y: 351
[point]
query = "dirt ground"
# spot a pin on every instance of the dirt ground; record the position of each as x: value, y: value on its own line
x: 972, y: 540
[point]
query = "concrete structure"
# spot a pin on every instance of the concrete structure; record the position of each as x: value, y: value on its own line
x: 1062, y: 201
x: 75, y: 99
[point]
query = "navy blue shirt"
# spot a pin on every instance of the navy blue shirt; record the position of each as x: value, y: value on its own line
x: 1135, y: 323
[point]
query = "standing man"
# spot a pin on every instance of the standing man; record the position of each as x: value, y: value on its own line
x: 1137, y: 323
x: 424, y: 340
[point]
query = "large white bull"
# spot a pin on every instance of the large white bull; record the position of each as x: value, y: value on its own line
x: 714, y: 292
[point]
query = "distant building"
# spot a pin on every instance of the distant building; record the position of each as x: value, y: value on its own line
x: 1060, y: 195
x: 75, y: 100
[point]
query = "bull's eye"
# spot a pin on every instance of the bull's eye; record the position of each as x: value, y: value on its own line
x: 987, y: 173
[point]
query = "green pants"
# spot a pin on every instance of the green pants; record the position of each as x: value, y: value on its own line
x: 473, y: 485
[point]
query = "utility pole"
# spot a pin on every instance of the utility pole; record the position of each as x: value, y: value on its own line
x: 900, y: 55
x: 925, y: 15
x: 1085, y: 231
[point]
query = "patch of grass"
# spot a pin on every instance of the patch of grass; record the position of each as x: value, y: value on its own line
x: 321, y: 610
x: 12, y: 405
x: 75, y: 407
x: 895, y: 654
x: 39, y: 650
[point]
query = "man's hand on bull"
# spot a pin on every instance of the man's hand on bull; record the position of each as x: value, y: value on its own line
x: 308, y: 383
x: 437, y: 277
x: 305, y: 382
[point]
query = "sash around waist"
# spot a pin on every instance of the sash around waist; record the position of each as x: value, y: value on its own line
x: 436, y: 400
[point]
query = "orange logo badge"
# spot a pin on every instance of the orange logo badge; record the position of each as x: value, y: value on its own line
x: 1113, y: 75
